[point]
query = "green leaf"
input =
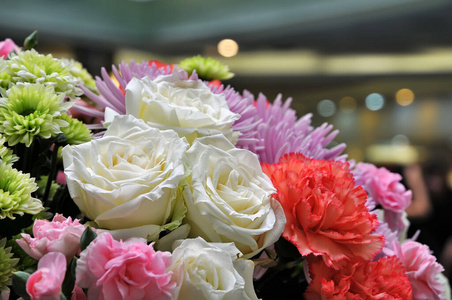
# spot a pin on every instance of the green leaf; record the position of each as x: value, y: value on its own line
x: 87, y: 237
x: 19, y: 284
x: 69, y: 280
x: 31, y: 41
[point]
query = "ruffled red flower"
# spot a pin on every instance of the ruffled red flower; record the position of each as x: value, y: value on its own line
x: 326, y: 213
x: 382, y: 279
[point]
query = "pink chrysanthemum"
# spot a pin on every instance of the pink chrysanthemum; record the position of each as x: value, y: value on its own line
x: 281, y: 132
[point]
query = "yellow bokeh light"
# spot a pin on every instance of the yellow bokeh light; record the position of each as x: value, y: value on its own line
x: 347, y: 104
x: 404, y: 97
x: 228, y: 48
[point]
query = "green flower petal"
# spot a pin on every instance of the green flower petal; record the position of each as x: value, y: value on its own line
x: 7, y: 264
x: 30, y: 110
x: 15, y: 193
x: 32, y: 67
x: 6, y: 154
x: 179, y: 212
x: 76, y: 132
x: 77, y: 70
x: 207, y: 68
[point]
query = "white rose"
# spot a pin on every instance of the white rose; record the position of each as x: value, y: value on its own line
x: 128, y: 180
x: 229, y: 199
x: 211, y: 271
x: 187, y: 106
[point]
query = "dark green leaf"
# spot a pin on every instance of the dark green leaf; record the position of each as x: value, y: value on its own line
x: 19, y: 284
x: 31, y: 41
x: 87, y: 237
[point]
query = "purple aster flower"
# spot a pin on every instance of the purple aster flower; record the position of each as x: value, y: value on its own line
x: 281, y: 132
x: 390, y: 237
x: 249, y: 121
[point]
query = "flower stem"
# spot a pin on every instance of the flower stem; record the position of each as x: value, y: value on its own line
x: 53, y: 169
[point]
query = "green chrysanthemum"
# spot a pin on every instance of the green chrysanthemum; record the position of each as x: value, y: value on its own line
x: 5, y: 78
x: 31, y: 110
x: 15, y: 193
x: 32, y: 67
x: 7, y: 264
x: 77, y: 70
x: 207, y: 68
x: 6, y: 154
x: 76, y: 132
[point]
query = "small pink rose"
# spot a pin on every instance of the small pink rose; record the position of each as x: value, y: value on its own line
x: 6, y: 47
x: 45, y: 283
x: 113, y: 269
x: 60, y: 235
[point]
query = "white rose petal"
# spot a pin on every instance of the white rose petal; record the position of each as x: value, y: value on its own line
x: 229, y: 197
x: 211, y: 271
x: 187, y: 106
x: 129, y: 178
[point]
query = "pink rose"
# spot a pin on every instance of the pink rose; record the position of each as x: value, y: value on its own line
x: 383, y: 186
x: 421, y: 267
x: 124, y: 270
x: 6, y: 47
x: 45, y: 283
x: 60, y: 235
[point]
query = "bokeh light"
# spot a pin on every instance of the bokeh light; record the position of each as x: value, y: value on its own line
x: 404, y: 97
x: 375, y: 102
x: 326, y: 108
x: 228, y: 48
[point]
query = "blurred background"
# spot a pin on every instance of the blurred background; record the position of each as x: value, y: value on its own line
x: 379, y: 71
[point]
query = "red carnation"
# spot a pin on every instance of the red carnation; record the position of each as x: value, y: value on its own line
x: 382, y: 279
x: 326, y: 213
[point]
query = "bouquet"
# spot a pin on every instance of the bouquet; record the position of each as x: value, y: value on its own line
x: 159, y: 182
